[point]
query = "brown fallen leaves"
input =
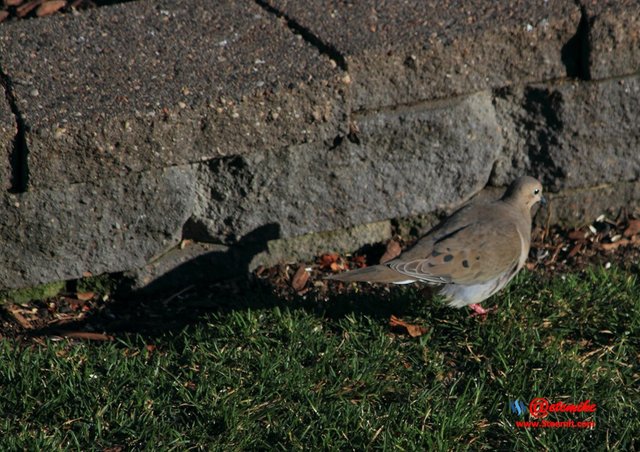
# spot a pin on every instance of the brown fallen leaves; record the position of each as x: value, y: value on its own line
x: 87, y: 335
x: 50, y: 7
x: 555, y: 248
x: 22, y: 316
x: 56, y: 316
x: 633, y: 228
x: 405, y: 327
x: 17, y: 315
x: 332, y: 261
x: 85, y: 296
x: 621, y: 242
x: 41, y: 8
x: 336, y: 263
x: 605, y: 234
x: 393, y: 250
x: 630, y: 236
x: 299, y: 279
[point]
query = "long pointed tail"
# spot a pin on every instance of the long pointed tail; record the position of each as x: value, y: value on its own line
x: 375, y: 273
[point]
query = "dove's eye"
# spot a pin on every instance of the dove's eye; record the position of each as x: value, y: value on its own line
x: 536, y: 191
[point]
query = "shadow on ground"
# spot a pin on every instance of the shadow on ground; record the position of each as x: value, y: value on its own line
x: 202, y: 285
x: 154, y: 315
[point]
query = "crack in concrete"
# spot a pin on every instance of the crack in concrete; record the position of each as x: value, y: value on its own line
x: 576, y: 53
x: 18, y: 157
x: 323, y: 47
x: 434, y: 103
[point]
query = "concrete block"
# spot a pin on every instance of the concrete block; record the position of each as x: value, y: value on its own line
x: 112, y: 226
x: 581, y: 207
x: 151, y: 84
x: 614, y: 37
x: 400, y: 163
x: 403, y: 52
x: 571, y: 134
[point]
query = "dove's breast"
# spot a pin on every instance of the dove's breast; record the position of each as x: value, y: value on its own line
x: 459, y: 295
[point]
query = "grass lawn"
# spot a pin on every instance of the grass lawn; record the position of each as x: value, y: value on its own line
x: 274, y: 374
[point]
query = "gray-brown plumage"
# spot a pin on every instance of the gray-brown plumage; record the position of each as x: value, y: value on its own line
x: 473, y: 253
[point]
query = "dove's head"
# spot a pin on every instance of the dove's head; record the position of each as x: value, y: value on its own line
x: 525, y: 191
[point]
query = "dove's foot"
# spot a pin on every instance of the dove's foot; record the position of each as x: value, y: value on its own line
x: 479, y: 310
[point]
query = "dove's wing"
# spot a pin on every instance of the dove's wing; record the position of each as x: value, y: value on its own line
x: 474, y: 246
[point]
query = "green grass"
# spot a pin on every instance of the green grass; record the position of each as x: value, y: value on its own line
x: 330, y: 375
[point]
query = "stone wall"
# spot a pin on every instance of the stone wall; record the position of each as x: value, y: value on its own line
x: 271, y: 130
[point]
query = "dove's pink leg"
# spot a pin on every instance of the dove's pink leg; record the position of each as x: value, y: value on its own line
x: 479, y: 310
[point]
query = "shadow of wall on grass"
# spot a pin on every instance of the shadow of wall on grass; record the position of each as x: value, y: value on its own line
x: 184, y: 296
x: 157, y: 305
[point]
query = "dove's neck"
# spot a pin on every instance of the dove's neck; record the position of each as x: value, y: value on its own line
x: 521, y: 214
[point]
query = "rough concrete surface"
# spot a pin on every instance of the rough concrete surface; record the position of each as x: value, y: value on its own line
x: 571, y: 134
x: 580, y: 207
x: 614, y: 37
x: 401, y: 52
x: 406, y: 162
x: 8, y: 131
x: 112, y: 226
x: 256, y: 125
x: 155, y: 83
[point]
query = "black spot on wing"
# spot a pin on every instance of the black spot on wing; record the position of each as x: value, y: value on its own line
x: 448, y: 258
x: 465, y: 263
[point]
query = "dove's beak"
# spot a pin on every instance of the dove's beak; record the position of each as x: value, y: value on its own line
x: 543, y: 201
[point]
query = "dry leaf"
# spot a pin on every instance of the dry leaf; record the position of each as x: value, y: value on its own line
x: 577, y: 234
x: 18, y: 317
x: 300, y: 279
x: 50, y: 7
x: 27, y: 7
x: 85, y: 296
x: 632, y: 229
x: 412, y: 330
x: 73, y: 303
x: 615, y: 245
x: 393, y: 251
x: 85, y: 335
x: 113, y: 449
x: 575, y: 250
x: 327, y: 259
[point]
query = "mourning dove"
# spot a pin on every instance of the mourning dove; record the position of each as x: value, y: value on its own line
x: 472, y: 254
